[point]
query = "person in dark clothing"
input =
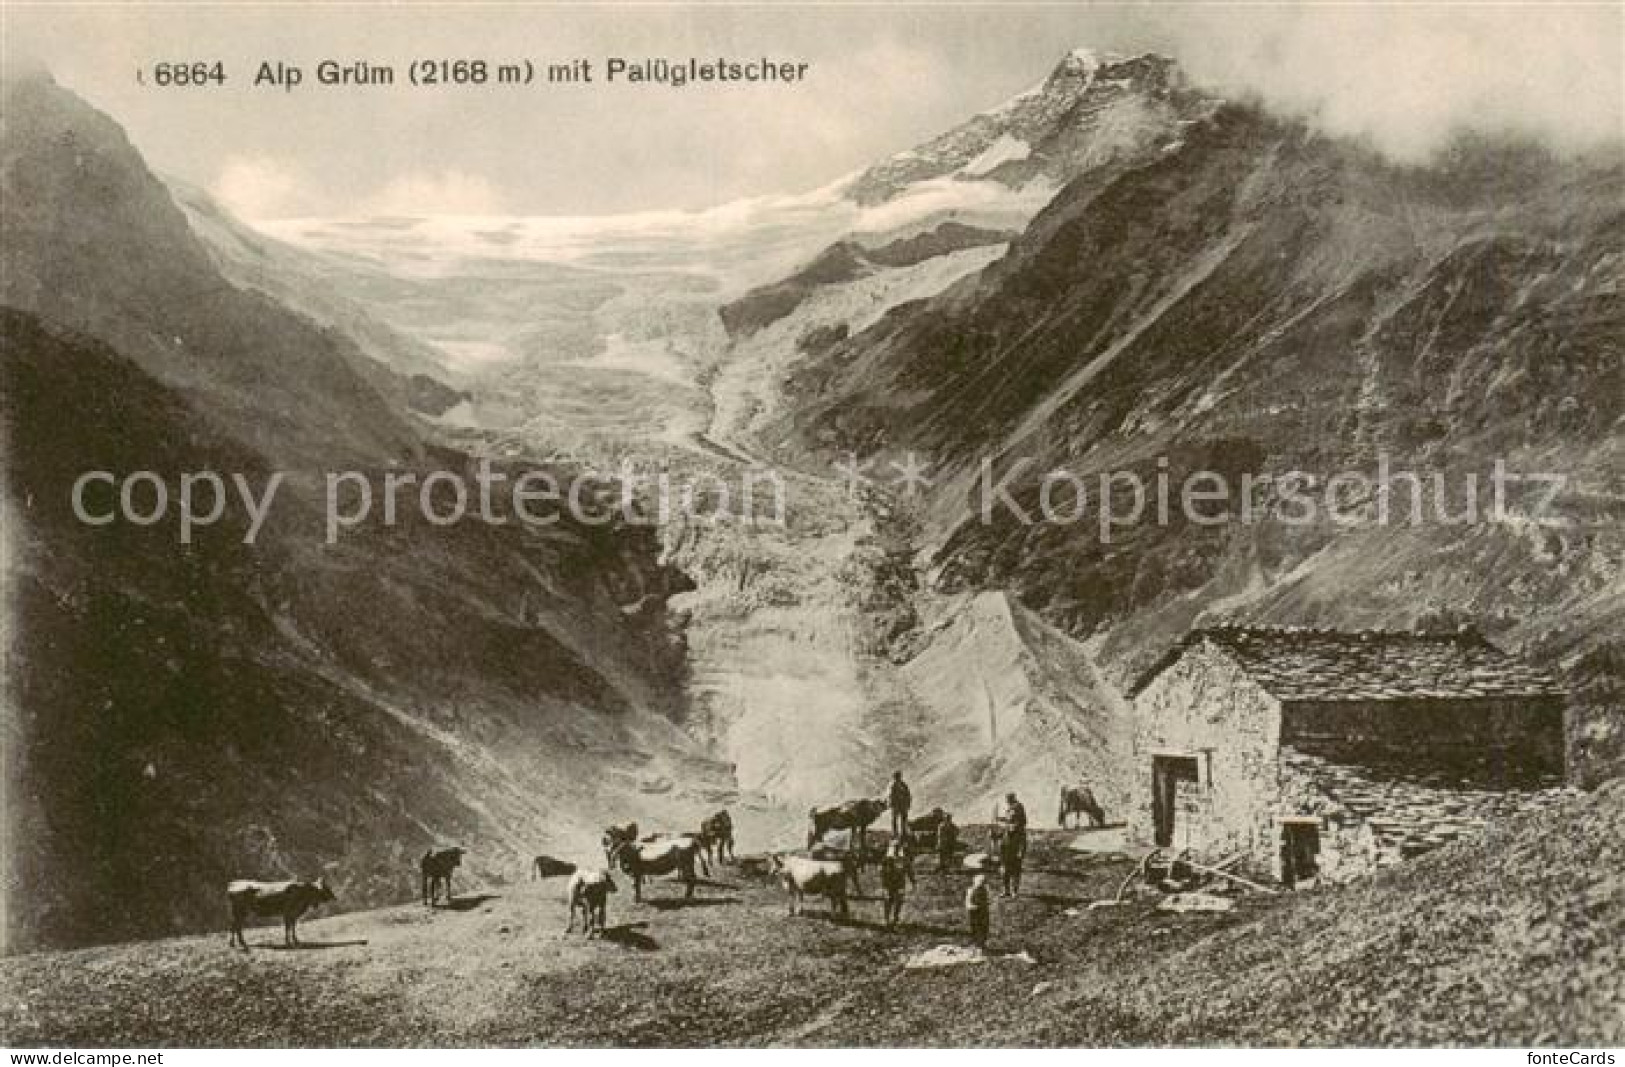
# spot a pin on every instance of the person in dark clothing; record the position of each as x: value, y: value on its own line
x: 896, y: 871
x: 899, y: 800
x: 947, y: 842
x: 1011, y: 854
x: 1011, y: 820
x: 978, y: 910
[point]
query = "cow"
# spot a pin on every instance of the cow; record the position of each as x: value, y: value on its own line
x: 801, y: 875
x: 615, y: 836
x: 289, y: 900
x: 843, y: 856
x: 640, y: 859
x: 548, y: 867
x: 717, y: 834
x: 696, y: 838
x: 979, y: 862
x: 435, y: 868
x: 854, y: 815
x: 923, y: 830
x: 1080, y: 800
x: 589, y: 894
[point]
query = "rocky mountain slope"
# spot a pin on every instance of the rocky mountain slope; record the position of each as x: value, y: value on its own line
x: 1255, y: 301
x: 180, y: 714
x: 969, y: 695
x: 406, y: 371
x: 1088, y: 111
x: 847, y: 261
x: 798, y: 675
x: 1013, y: 704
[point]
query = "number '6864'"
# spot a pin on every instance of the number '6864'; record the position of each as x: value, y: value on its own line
x: 200, y: 72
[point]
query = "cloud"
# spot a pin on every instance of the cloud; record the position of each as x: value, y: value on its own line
x: 1408, y: 77
x: 450, y: 192
x: 259, y: 187
x: 710, y: 144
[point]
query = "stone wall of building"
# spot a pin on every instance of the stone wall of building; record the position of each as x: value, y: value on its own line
x: 1348, y: 844
x: 1373, y: 817
x: 1381, y: 780
x: 1204, y: 706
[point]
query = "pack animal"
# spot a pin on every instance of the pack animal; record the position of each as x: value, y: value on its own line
x: 802, y: 876
x: 1079, y: 800
x: 615, y: 836
x: 644, y: 859
x: 435, y: 870
x: 289, y: 900
x: 854, y: 815
x: 702, y: 846
x: 848, y: 859
x: 548, y: 867
x: 589, y: 894
x: 924, y: 829
x: 717, y: 835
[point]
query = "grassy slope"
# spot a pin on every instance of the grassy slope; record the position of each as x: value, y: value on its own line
x: 1514, y: 942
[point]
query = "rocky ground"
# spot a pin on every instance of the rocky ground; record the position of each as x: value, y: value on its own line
x: 1509, y: 940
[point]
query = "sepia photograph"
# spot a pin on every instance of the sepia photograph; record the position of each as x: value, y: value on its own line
x: 863, y: 525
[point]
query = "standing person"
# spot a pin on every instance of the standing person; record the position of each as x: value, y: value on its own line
x: 1012, y: 819
x: 947, y: 840
x: 1012, y: 825
x: 899, y: 800
x: 1012, y: 851
x: 905, y: 854
x: 895, y: 873
x: 978, y: 910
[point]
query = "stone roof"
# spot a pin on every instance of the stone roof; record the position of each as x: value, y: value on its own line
x: 1295, y: 664
x: 1412, y: 814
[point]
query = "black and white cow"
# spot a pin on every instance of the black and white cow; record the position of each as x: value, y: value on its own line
x: 288, y: 900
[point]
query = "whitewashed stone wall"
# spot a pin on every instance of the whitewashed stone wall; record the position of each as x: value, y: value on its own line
x: 1205, y: 706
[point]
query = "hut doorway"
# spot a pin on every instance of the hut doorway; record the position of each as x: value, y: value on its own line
x: 1300, y: 851
x: 1166, y: 774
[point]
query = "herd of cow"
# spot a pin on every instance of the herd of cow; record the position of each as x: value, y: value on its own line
x: 826, y: 870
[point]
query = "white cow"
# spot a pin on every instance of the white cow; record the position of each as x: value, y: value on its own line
x: 801, y: 876
x: 589, y: 893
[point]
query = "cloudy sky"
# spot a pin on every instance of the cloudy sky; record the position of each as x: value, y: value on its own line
x: 882, y: 77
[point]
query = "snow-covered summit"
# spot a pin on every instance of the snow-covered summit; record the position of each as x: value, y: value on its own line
x: 1044, y: 130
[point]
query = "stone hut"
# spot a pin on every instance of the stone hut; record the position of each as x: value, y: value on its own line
x: 1322, y: 754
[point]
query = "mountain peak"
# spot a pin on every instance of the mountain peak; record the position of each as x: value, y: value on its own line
x: 1087, y: 65
x: 1077, y: 61
x: 1048, y: 130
